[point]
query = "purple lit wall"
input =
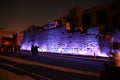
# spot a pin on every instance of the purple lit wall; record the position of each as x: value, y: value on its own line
x: 60, y: 41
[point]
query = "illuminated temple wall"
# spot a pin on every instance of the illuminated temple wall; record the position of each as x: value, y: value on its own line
x: 60, y: 41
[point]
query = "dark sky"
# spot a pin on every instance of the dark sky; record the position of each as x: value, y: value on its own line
x: 17, y: 15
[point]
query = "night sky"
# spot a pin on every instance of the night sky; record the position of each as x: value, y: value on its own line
x: 17, y: 15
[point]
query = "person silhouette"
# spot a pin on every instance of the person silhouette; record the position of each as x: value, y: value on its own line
x: 33, y: 50
x: 36, y: 50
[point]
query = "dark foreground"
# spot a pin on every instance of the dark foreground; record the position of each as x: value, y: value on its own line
x: 22, y: 66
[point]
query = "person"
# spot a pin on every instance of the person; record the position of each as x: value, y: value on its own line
x: 36, y: 50
x: 33, y: 49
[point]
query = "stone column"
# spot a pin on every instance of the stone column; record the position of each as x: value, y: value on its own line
x: 79, y: 14
x: 109, y: 18
x: 93, y: 19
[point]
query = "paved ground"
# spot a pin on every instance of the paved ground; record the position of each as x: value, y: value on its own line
x: 70, y: 56
x: 22, y: 66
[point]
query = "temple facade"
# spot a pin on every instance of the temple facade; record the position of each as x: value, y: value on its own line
x: 106, y: 15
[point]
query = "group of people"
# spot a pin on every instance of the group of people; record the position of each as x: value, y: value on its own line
x: 34, y: 50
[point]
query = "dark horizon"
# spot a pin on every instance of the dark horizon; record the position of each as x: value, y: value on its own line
x: 18, y: 15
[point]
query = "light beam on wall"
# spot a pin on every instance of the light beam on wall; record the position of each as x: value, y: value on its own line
x: 60, y: 41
